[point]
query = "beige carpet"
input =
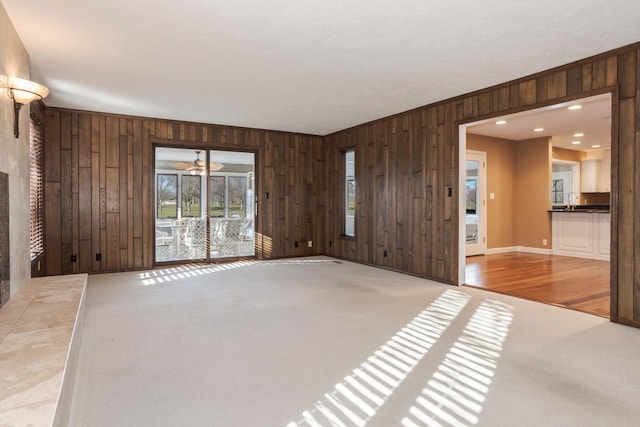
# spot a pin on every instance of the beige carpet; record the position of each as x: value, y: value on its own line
x: 316, y: 341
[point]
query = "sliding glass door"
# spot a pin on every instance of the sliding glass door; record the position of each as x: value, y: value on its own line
x: 204, y: 203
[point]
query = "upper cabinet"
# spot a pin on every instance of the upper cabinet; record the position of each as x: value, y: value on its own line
x: 590, y: 175
x: 595, y: 174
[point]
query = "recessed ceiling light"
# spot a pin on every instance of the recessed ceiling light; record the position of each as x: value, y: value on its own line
x: 578, y: 135
x: 576, y: 142
x: 595, y: 146
x: 501, y: 122
x: 575, y: 107
x: 538, y: 129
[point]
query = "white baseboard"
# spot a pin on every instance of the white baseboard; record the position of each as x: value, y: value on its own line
x: 539, y: 251
x: 526, y: 249
x: 506, y: 249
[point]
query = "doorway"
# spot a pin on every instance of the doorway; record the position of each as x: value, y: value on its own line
x: 574, y: 137
x: 204, y: 204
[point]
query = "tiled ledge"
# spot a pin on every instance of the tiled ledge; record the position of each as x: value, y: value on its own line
x: 40, y: 333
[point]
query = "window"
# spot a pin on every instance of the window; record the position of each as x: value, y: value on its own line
x: 350, y: 193
x: 217, y: 196
x: 167, y: 196
x: 557, y: 192
x: 36, y: 193
x: 237, y: 196
x: 190, y: 192
x: 471, y: 186
x: 565, y: 179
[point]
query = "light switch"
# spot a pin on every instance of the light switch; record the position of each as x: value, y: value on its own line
x: 492, y: 196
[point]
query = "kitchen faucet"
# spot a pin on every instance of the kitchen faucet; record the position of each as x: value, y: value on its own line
x: 571, y: 206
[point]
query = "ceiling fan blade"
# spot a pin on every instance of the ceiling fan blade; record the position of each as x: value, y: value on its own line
x: 173, y: 164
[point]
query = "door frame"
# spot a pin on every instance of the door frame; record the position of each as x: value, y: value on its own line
x: 613, y: 92
x: 207, y: 148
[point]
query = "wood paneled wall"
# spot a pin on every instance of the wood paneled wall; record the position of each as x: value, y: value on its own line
x: 406, y: 164
x: 405, y: 167
x: 99, y: 187
x: 99, y: 180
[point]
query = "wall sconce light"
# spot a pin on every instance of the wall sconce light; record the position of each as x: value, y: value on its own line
x: 22, y: 92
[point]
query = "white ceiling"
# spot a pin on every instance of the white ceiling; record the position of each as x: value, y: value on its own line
x: 560, y: 123
x: 302, y: 66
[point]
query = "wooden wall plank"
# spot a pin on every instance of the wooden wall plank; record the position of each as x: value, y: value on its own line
x: 627, y: 74
x: 52, y: 146
x: 113, y: 241
x: 574, y: 80
x: 52, y: 236
x: 527, y: 92
x: 95, y: 212
x: 85, y: 140
x: 84, y: 194
x: 138, y: 179
x: 66, y: 197
x: 84, y: 256
x: 65, y: 130
x: 626, y: 205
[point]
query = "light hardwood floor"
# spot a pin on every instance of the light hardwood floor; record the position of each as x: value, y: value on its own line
x: 575, y: 283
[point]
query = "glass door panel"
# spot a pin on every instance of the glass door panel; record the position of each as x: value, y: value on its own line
x: 180, y: 224
x: 475, y: 206
x: 471, y: 194
x: 231, y: 204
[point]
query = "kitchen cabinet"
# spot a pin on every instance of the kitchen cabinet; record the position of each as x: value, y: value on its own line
x: 590, y: 175
x: 595, y: 174
x: 581, y: 234
x: 603, y: 224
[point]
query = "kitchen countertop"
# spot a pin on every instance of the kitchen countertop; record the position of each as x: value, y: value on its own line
x: 581, y: 209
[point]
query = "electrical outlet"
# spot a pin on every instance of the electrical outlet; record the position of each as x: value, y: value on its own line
x: 74, y: 258
x: 310, y: 243
x: 98, y: 257
x: 385, y: 253
x: 544, y: 242
x: 296, y: 243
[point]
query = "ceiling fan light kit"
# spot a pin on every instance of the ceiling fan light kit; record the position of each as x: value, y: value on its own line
x: 200, y: 165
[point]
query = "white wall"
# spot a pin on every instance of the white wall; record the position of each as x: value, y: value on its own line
x: 14, y: 153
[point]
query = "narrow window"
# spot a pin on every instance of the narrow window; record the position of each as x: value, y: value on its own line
x: 350, y: 193
x: 36, y: 193
x: 237, y: 196
x: 557, y: 192
x: 191, y: 188
x: 167, y: 196
x: 217, y: 196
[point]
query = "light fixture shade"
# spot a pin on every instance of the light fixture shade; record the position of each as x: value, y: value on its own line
x: 26, y: 91
x: 21, y: 92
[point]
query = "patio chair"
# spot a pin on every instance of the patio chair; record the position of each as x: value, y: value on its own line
x: 195, y: 238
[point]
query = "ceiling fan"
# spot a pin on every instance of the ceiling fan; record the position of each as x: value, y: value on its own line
x: 198, y: 165
x: 194, y: 167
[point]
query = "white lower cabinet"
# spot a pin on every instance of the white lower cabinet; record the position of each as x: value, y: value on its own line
x: 604, y: 236
x: 581, y: 234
